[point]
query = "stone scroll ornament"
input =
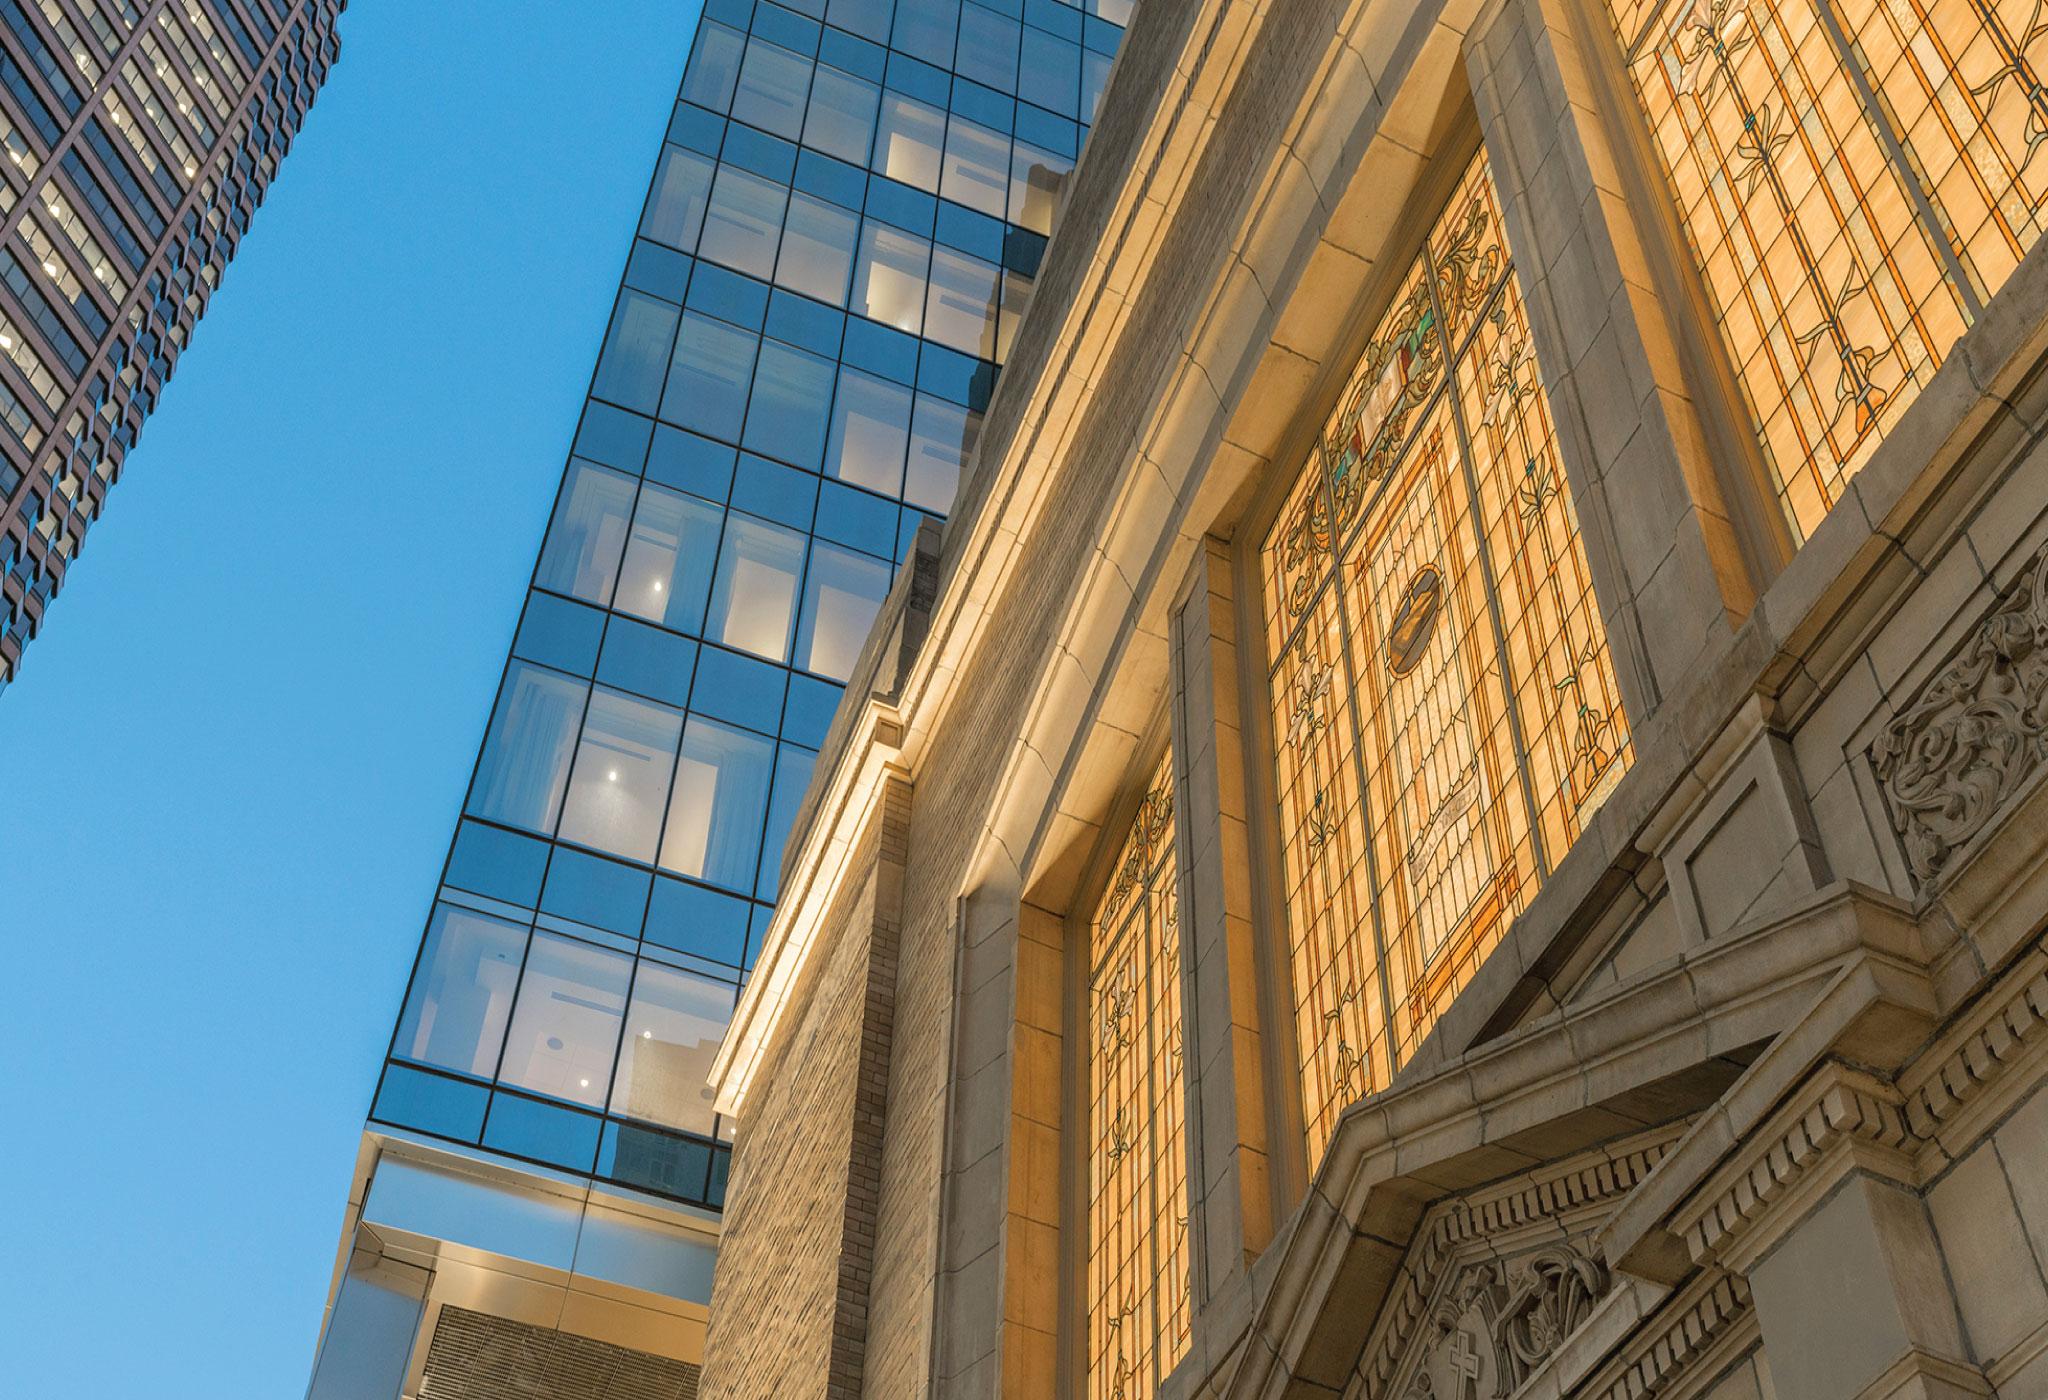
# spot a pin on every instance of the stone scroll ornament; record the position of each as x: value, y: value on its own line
x: 1497, y: 1323
x: 1979, y: 729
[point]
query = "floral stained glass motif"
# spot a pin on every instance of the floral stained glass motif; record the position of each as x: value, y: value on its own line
x: 1139, y: 1308
x: 1445, y: 711
x: 1856, y: 178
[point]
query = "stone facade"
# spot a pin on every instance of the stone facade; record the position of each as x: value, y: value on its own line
x: 1747, y: 1101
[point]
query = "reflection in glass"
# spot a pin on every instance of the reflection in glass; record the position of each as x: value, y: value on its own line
x: 667, y: 570
x: 842, y: 593
x: 888, y: 276
x: 716, y: 807
x: 675, y: 206
x: 581, y: 556
x: 741, y: 224
x: 708, y: 377
x: 773, y: 84
x: 462, y: 993
x: 961, y: 309
x: 753, y: 596
x: 870, y: 432
x: 673, y: 1028
x: 622, y: 770
x: 842, y: 116
x: 792, y: 396
x: 566, y: 1024
x: 941, y: 436
x: 714, y: 64
x: 1035, y: 180
x: 525, y: 763
x: 635, y: 356
x: 977, y: 167
x: 817, y: 249
x: 908, y: 141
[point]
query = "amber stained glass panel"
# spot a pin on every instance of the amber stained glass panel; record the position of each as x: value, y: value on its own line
x: 1139, y: 1309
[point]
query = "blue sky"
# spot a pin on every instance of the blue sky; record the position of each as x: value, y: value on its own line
x: 234, y: 756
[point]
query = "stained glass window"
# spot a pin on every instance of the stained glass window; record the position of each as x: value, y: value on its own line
x: 1855, y: 178
x: 1444, y: 706
x: 1138, y: 1255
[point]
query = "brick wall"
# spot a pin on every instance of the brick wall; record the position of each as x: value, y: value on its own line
x: 790, y: 1298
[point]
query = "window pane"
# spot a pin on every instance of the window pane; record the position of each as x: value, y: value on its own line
x: 525, y: 764
x: 867, y: 18
x: 773, y: 85
x: 672, y: 1032
x: 462, y: 993
x: 1016, y: 296
x: 1051, y: 72
x: 792, y: 777
x: 714, y: 64
x: 988, y: 48
x: 675, y: 206
x: 741, y: 225
x: 908, y: 141
x: 842, y: 593
x: 716, y: 808
x: 960, y: 310
x: 817, y: 249
x: 667, y: 571
x: 581, y: 555
x: 792, y: 396
x: 870, y: 432
x: 753, y: 599
x: 635, y: 354
x: 1035, y: 179
x: 941, y: 436
x: 925, y: 29
x: 842, y: 116
x: 888, y: 276
x: 566, y: 1025
x: 708, y: 377
x: 977, y: 168
x: 622, y: 770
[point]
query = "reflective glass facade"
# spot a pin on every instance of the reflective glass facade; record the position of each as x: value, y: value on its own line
x: 137, y: 138
x: 842, y: 227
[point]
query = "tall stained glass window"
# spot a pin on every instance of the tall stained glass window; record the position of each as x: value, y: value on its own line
x: 1855, y: 178
x: 1138, y: 1255
x: 1445, y: 713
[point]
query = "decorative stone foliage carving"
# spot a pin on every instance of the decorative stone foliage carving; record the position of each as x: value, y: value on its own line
x: 1979, y: 729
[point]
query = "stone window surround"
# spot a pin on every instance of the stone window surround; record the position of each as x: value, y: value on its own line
x: 1754, y: 549
x: 1755, y: 639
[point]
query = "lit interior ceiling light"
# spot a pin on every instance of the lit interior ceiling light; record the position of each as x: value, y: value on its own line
x: 613, y: 775
x: 50, y: 266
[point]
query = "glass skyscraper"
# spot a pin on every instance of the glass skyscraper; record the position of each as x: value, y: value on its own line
x: 138, y: 138
x: 846, y: 213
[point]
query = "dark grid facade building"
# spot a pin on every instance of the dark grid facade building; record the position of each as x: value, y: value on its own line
x: 138, y: 138
x: 847, y: 210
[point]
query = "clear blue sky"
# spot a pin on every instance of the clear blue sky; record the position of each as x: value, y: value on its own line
x: 232, y: 760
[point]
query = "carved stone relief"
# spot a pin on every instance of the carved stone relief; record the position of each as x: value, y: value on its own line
x: 1497, y: 1322
x: 1978, y: 730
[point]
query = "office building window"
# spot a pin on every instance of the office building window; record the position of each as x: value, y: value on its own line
x: 565, y: 1024
x: 461, y: 996
x: 525, y: 764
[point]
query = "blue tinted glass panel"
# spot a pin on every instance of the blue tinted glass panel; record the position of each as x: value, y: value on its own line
x: 430, y: 1103
x: 620, y: 777
x: 497, y: 863
x: 461, y: 997
x: 591, y: 890
x: 753, y: 596
x: 708, y: 378
x: 714, y: 66
x: 581, y: 556
x: 673, y: 1027
x: 675, y: 205
x: 525, y: 764
x: 719, y: 801
x: 544, y: 1132
x: 669, y: 557
x: 692, y: 919
x: 792, y: 398
x: 565, y: 1024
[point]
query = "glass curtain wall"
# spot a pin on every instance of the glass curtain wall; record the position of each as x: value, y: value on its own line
x: 846, y: 213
